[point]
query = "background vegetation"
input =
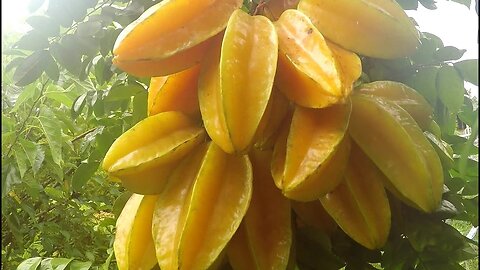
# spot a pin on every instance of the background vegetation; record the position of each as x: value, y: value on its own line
x: 63, y: 104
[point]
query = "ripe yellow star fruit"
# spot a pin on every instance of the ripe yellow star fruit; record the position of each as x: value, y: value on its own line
x: 307, y: 73
x: 144, y: 156
x: 171, y: 36
x: 264, y: 238
x: 396, y: 144
x: 176, y: 92
x: 169, y: 65
x: 375, y: 28
x: 133, y: 245
x: 349, y: 65
x: 236, y: 83
x: 309, y: 158
x: 407, y: 98
x: 359, y: 204
x: 202, y: 206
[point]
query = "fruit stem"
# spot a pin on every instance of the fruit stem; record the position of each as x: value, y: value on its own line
x: 255, y: 8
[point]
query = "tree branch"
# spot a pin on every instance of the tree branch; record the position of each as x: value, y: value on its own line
x: 26, y: 119
x: 80, y: 136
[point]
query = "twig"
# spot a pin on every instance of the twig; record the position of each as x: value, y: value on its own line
x: 26, y: 119
x: 259, y: 6
x: 75, y: 24
x: 80, y: 136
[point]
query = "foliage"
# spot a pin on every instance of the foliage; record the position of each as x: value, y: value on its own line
x: 63, y: 104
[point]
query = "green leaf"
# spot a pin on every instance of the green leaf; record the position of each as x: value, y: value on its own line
x: 78, y: 106
x: 45, y: 25
x: 140, y: 106
x: 30, y: 264
x: 441, y: 265
x: 38, y: 160
x: 87, y: 45
x: 122, y: 92
x: 466, y: 253
x: 86, y: 84
x: 60, y: 263
x: 54, y: 193
x: 424, y: 81
x: 33, y: 188
x: 106, y: 264
x: 120, y: 203
x: 83, y: 173
x: 31, y: 68
x: 443, y: 149
x: 107, y: 42
x: 466, y: 3
x: 27, y: 93
x: 51, y: 128
x: 10, y: 177
x: 51, y: 68
x: 57, y: 93
x: 32, y: 41
x: 314, y: 250
x: 446, y: 210
x: 449, y: 53
x: 454, y: 184
x: 99, y: 64
x: 88, y: 28
x: 46, y: 264
x: 408, y: 4
x: 8, y: 124
x: 468, y: 69
x: 424, y: 54
x: 98, y: 106
x: 66, y: 57
x: 14, y: 63
x: 429, y: 4
x: 21, y: 159
x: 450, y: 88
x: 67, y: 122
x: 14, y: 52
x: 77, y: 265
x: 464, y: 156
x: 105, y: 140
x: 436, y: 41
x: 471, y: 188
x: 467, y: 114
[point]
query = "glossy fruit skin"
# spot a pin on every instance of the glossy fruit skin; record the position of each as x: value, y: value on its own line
x: 203, y: 205
x: 375, y: 28
x: 236, y: 83
x: 350, y: 67
x: 407, y: 98
x: 359, y: 204
x: 169, y: 215
x: 310, y: 153
x: 264, y: 238
x: 133, y: 245
x: 395, y: 143
x: 176, y: 92
x: 307, y: 73
x: 169, y: 65
x: 144, y: 156
x: 171, y: 28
